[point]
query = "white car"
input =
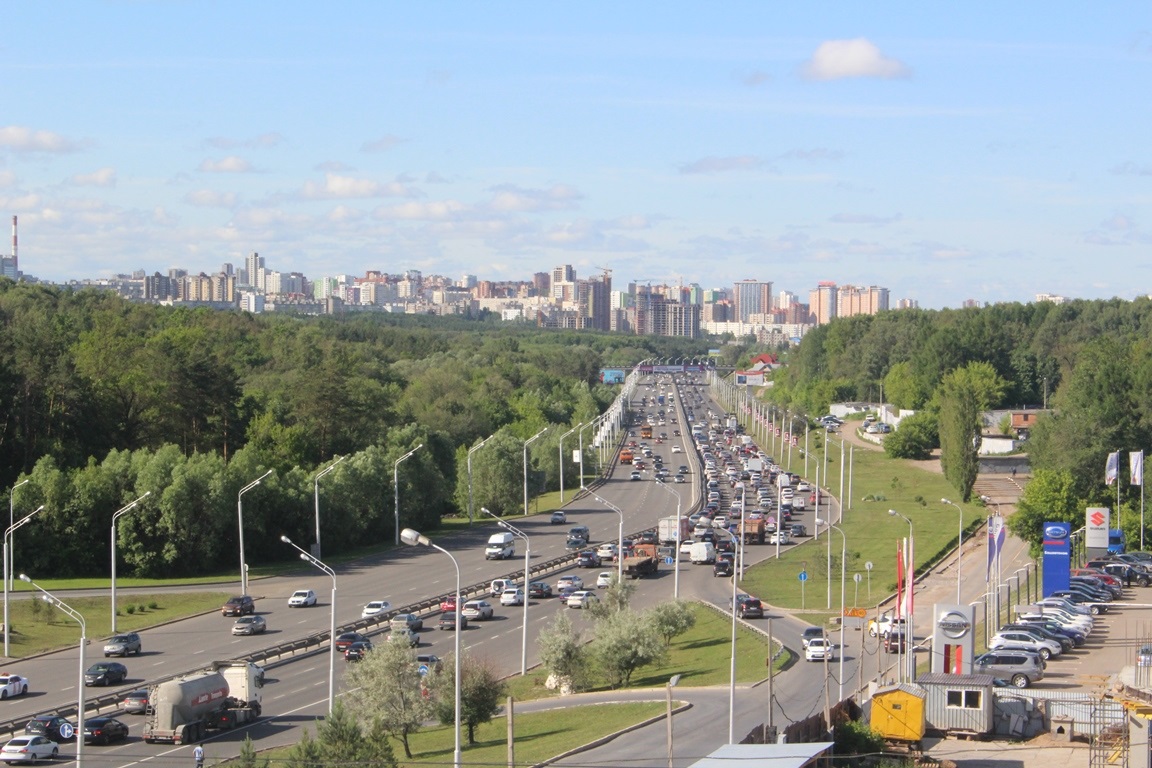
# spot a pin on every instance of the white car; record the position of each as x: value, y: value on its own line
x: 582, y: 598
x: 606, y: 552
x: 571, y: 580
x: 29, y: 749
x: 375, y: 608
x: 886, y: 625
x: 12, y: 685
x: 512, y: 596
x: 477, y: 610
x: 819, y: 649
x: 1018, y: 640
x: 780, y: 537
x: 302, y: 598
x: 604, y: 579
x: 676, y: 449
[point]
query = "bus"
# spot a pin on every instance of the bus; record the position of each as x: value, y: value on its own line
x: 646, y: 432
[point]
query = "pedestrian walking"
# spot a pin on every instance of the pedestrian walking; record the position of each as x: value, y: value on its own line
x: 1128, y: 576
x: 198, y: 755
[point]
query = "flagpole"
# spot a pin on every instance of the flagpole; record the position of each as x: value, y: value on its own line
x: 1119, y: 509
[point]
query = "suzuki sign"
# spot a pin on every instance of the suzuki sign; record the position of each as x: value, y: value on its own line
x: 1096, y: 523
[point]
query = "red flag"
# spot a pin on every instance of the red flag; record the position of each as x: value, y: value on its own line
x: 911, y: 579
x: 899, y: 579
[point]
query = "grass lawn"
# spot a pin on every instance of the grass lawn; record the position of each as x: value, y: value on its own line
x: 878, y: 484
x: 38, y: 626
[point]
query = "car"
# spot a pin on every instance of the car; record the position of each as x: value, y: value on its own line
x: 575, y: 542
x: 748, y: 607
x: 648, y: 537
x: 1026, y: 641
x: 635, y: 475
x: 819, y: 649
x: 588, y: 559
x: 570, y: 580
x: 565, y: 592
x: 239, y: 606
x: 558, y: 518
x: 477, y: 610
x: 448, y: 621
x: 12, y: 685
x: 105, y: 673
x: 356, y: 651
x: 404, y: 636
x: 1144, y: 656
x: 429, y: 660
x: 346, y: 639
x: 1020, y: 668
x: 812, y: 633
x: 123, y: 644
x: 604, y: 579
x: 539, y: 590
x: 498, y: 586
x: 678, y: 479
x: 104, y: 730
x: 803, y: 487
x: 606, y: 552
x: 375, y: 608
x: 302, y: 598
x: 1065, y: 641
x: 29, y: 749
x: 724, y: 565
x: 676, y: 448
x: 249, y: 625
x: 512, y: 596
x: 581, y: 598
x: 410, y: 620
x: 779, y: 537
x: 448, y: 604
x: 886, y: 625
x: 52, y: 727
x: 136, y: 702
x: 682, y: 469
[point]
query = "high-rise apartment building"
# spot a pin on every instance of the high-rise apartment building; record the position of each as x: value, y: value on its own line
x: 822, y: 302
x: 751, y: 297
x: 562, y: 286
x: 254, y: 271
x: 858, y: 300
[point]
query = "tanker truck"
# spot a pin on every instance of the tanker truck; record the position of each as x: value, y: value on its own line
x: 221, y: 696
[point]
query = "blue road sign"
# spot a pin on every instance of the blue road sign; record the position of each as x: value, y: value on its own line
x: 669, y: 561
x: 423, y: 670
x: 803, y: 575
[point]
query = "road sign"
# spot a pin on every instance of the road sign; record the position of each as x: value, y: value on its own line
x: 803, y: 576
x: 856, y: 613
x: 856, y: 578
x: 669, y: 561
x: 868, y: 565
x: 424, y: 670
x: 66, y: 731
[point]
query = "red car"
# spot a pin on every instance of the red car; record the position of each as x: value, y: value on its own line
x: 346, y: 639
x: 448, y: 605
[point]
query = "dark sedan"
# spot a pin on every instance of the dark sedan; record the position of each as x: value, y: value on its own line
x: 539, y: 590
x: 104, y: 730
x: 105, y: 673
x: 448, y: 621
x: 51, y: 727
x: 588, y: 559
x: 346, y: 639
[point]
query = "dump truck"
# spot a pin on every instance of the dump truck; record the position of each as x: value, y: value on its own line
x: 752, y: 531
x: 626, y: 456
x: 673, y: 530
x: 221, y: 696
x: 643, y: 561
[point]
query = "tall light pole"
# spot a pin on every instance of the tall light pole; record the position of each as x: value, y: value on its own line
x: 527, y: 443
x: 679, y: 532
x: 50, y: 598
x: 316, y: 496
x: 672, y: 681
x: 412, y: 538
x: 116, y: 516
x: 737, y: 545
x: 527, y: 565
x: 471, y: 451
x: 9, y: 536
x: 620, y: 545
x: 332, y: 630
x: 396, y: 487
x: 240, y: 515
x: 11, y: 520
x: 911, y: 601
x: 959, y: 544
x: 562, y: 459
x: 593, y: 424
x: 843, y: 559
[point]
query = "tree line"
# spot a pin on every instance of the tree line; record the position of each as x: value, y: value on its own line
x: 103, y: 400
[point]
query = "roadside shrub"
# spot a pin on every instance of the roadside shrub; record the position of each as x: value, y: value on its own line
x: 152, y: 606
x: 130, y: 609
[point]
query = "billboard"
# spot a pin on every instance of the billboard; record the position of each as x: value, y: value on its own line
x: 612, y: 375
x: 1096, y: 522
x: 953, y: 644
x: 1057, y: 557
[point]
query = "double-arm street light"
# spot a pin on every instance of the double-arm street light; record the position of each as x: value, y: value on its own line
x: 679, y: 537
x: 471, y: 451
x: 527, y: 564
x: 240, y: 515
x: 562, y: 459
x: 11, y: 522
x: 592, y: 424
x: 911, y: 617
x: 737, y: 545
x: 412, y: 538
x: 396, y: 487
x: 50, y: 598
x: 332, y: 631
x: 316, y: 496
x: 116, y: 516
x: 843, y: 559
x: 527, y: 443
x: 620, y: 544
x: 8, y: 536
x: 959, y: 544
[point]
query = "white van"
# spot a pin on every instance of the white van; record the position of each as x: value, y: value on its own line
x: 703, y: 553
x: 501, y: 546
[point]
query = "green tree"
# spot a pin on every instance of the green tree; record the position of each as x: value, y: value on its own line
x: 342, y: 741
x: 386, y: 687
x: 624, y: 643
x: 1050, y: 496
x: 248, y: 757
x: 563, y: 652
x: 482, y: 692
x: 963, y: 396
x: 614, y: 599
x: 671, y: 619
x: 914, y: 438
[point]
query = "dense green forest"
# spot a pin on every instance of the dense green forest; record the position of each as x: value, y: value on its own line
x: 102, y: 401
x: 1090, y: 362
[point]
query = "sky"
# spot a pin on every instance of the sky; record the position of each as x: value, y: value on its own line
x: 977, y: 150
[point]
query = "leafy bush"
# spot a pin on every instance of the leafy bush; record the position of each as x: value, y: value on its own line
x: 131, y: 609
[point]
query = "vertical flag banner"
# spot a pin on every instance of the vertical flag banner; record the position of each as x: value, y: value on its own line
x: 899, y: 581
x: 996, y: 538
x: 1136, y: 467
x: 1112, y: 468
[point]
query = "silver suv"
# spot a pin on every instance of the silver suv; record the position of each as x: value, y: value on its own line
x: 1021, y: 668
x: 123, y: 644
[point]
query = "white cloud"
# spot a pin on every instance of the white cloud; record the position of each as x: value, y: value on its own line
x: 27, y: 202
x: 428, y: 211
x: 210, y: 198
x: 230, y: 164
x: 382, y: 144
x: 105, y: 177
x: 509, y: 198
x: 754, y: 79
x: 336, y: 186
x: 21, y: 139
x: 343, y: 214
x: 263, y: 141
x: 332, y: 166
x: 862, y: 218
x: 725, y: 164
x: 1130, y: 168
x: 840, y: 59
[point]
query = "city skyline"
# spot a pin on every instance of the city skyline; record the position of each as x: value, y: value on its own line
x: 991, y: 159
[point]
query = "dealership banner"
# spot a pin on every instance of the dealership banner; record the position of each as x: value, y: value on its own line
x: 953, y: 643
x: 1057, y: 557
x: 1096, y: 523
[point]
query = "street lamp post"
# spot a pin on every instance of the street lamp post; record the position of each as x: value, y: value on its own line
x: 240, y: 516
x: 306, y: 557
x: 737, y: 544
x: 471, y: 451
x: 527, y: 443
x: 527, y: 565
x: 11, y: 520
x: 672, y: 681
x: 116, y: 516
x: 50, y: 598
x: 412, y: 538
x: 679, y: 532
x: 316, y: 496
x: 562, y: 459
x: 580, y: 434
x: 843, y: 559
x: 911, y: 599
x: 620, y: 544
x: 959, y: 544
x: 9, y: 535
x: 396, y: 487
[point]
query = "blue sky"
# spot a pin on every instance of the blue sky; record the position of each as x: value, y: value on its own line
x: 981, y: 150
